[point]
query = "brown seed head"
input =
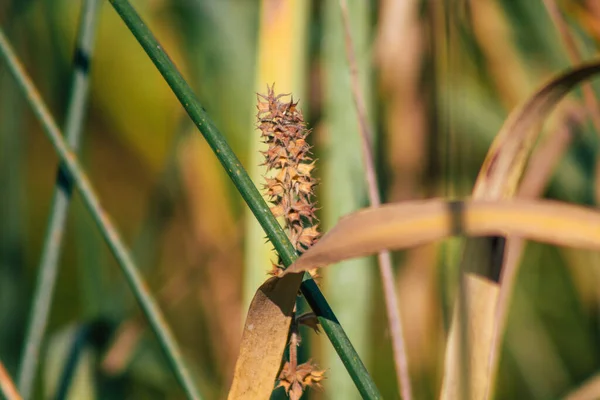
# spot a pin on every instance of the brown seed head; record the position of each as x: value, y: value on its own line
x: 283, y: 128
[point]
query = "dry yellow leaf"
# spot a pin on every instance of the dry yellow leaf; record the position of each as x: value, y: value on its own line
x: 264, y: 338
x: 407, y: 224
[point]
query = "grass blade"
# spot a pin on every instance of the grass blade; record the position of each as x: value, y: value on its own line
x: 13, y: 206
x: 505, y: 161
x: 250, y: 194
x: 535, y: 179
x: 105, y: 225
x: 94, y: 334
x: 401, y: 225
x: 61, y: 198
x: 482, y: 296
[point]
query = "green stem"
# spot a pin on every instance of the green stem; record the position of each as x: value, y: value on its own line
x: 94, y: 334
x: 48, y: 267
x: 105, y: 225
x: 250, y: 194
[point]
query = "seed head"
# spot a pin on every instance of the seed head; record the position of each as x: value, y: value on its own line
x: 290, y: 191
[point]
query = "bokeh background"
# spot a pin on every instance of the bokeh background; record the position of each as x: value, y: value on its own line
x: 439, y: 78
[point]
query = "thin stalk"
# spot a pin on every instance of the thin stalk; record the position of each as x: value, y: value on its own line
x: 93, y: 334
x: 249, y: 193
x: 7, y: 386
x: 344, y: 191
x: 79, y: 343
x: 61, y: 198
x: 72, y: 166
x: 14, y: 205
x: 384, y: 258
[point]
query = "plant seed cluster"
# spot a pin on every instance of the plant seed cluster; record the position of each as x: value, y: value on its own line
x: 283, y: 128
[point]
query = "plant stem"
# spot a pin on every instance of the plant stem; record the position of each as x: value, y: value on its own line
x: 250, y: 194
x: 48, y: 267
x: 94, y: 334
x: 105, y: 225
x: 384, y: 258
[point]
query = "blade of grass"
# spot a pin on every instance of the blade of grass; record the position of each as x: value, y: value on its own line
x: 105, y: 225
x: 249, y: 193
x: 14, y: 208
x: 505, y: 161
x: 7, y: 386
x: 93, y: 333
x: 401, y: 225
x: 535, y: 179
x: 48, y: 266
x: 384, y: 258
x: 589, y: 97
x: 503, y: 166
x: 482, y: 296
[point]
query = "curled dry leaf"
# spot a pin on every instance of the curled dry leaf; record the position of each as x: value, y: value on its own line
x: 501, y: 174
x: 262, y: 347
x: 402, y: 225
x: 505, y: 161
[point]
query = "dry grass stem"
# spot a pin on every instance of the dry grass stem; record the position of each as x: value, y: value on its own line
x: 384, y: 257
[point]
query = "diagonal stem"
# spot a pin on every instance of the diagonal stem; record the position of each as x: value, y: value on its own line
x: 48, y: 267
x: 250, y: 194
x: 103, y: 222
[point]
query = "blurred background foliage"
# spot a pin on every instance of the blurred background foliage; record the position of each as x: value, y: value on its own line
x: 440, y: 77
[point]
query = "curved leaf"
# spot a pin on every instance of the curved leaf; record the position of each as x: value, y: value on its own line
x: 261, y: 351
x: 505, y: 161
x: 401, y: 225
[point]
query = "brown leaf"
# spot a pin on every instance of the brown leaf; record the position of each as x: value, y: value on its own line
x: 481, y: 302
x: 407, y: 224
x: 505, y: 161
x: 501, y: 173
x: 264, y: 338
